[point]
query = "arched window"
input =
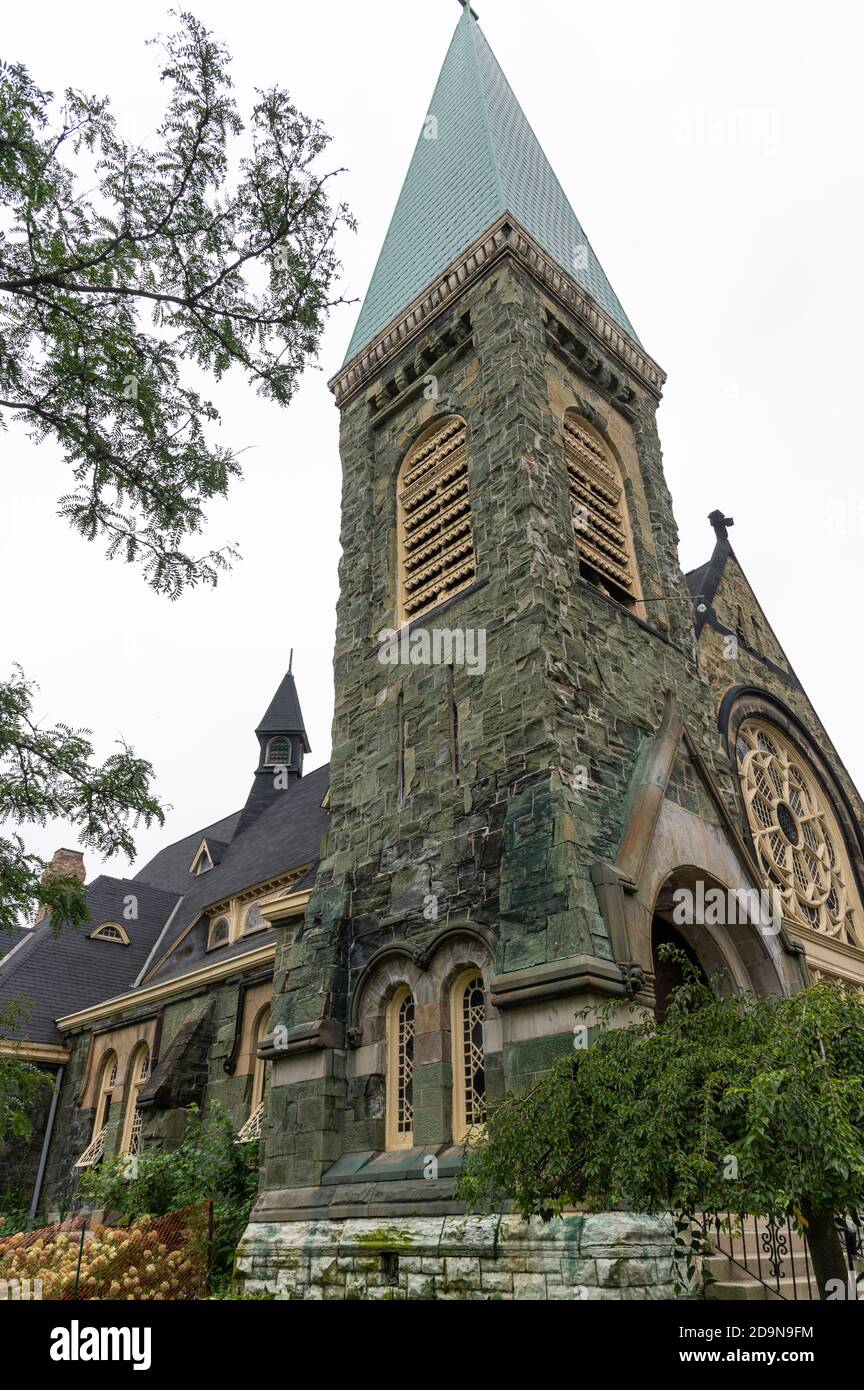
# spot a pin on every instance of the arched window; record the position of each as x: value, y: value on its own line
x: 798, y: 841
x: 436, y: 530
x: 104, y: 1096
x: 599, y: 511
x: 279, y: 751
x: 252, y: 1128
x: 110, y: 931
x: 220, y: 931
x: 253, y: 921
x: 467, y: 1017
x: 139, y: 1071
x: 400, y: 1070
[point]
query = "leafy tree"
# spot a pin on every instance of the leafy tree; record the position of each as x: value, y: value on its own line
x: 48, y: 773
x: 22, y: 1085
x: 208, y: 1164
x: 235, y: 267
x: 123, y: 268
x: 754, y: 1105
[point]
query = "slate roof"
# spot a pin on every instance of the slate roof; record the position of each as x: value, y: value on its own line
x: 483, y: 161
x: 284, y: 715
x: 61, y: 974
x: 64, y: 974
x: 169, y: 868
x: 702, y: 582
x: 283, y: 837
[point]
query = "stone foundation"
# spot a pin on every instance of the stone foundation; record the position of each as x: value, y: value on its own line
x: 614, y: 1255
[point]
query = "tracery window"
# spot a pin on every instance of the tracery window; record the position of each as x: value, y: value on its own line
x: 468, y: 1015
x: 400, y: 1070
x: 105, y: 1094
x: 599, y: 512
x: 436, y: 529
x: 139, y: 1072
x: 798, y: 840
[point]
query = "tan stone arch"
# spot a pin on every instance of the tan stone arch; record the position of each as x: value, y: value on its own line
x: 665, y: 844
x: 389, y: 969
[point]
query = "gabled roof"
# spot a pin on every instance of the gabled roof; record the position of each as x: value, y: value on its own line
x: 477, y: 158
x: 212, y: 850
x: 70, y: 971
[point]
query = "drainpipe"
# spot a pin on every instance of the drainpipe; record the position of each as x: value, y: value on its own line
x: 46, y: 1142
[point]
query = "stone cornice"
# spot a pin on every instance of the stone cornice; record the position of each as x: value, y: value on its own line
x: 34, y: 1052
x: 504, y: 237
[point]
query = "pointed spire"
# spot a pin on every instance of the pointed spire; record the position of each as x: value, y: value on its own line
x: 282, y: 741
x: 283, y: 714
x: 477, y: 158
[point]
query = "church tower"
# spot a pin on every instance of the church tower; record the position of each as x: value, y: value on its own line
x: 523, y: 748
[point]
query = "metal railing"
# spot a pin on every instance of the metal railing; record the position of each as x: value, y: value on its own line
x: 775, y: 1253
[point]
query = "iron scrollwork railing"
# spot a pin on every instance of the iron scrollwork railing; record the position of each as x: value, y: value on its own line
x: 775, y: 1253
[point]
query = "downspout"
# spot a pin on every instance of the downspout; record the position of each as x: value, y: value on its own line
x: 46, y: 1143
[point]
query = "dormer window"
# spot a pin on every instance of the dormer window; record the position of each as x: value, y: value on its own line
x: 203, y: 861
x: 279, y: 751
x: 110, y: 931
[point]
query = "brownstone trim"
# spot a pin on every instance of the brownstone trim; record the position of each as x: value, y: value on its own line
x: 504, y: 237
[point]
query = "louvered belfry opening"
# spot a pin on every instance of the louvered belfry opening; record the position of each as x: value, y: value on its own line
x: 598, y: 509
x: 436, y: 532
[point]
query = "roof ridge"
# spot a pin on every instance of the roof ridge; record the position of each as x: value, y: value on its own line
x: 493, y: 155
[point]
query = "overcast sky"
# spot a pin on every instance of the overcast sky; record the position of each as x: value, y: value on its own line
x: 713, y: 157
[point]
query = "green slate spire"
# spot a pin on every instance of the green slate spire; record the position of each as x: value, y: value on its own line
x: 476, y: 159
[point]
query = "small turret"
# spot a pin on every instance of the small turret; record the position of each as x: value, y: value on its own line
x: 282, y: 742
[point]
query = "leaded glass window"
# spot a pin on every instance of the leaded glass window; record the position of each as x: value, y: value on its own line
x: 798, y: 841
x: 469, y: 1061
x: 400, y: 1079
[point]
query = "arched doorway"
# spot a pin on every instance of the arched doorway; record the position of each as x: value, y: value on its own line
x: 669, y: 974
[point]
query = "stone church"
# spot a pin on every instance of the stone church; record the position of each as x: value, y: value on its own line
x: 544, y: 735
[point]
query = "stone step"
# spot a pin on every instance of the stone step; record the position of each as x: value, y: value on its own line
x: 796, y: 1263
x: 731, y: 1281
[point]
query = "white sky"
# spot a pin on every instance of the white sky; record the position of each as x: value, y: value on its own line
x: 713, y: 158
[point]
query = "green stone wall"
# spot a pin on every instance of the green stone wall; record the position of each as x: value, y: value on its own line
x: 549, y: 735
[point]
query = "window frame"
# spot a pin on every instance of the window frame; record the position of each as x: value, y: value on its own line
x: 435, y: 427
x: 130, y: 1142
x: 396, y: 1138
x: 462, y: 1128
x: 631, y: 600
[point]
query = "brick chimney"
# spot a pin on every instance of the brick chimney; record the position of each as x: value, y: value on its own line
x: 66, y: 863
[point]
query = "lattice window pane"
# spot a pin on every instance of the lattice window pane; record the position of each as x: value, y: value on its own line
x: 94, y: 1150
x: 436, y: 525
x: 252, y: 1128
x: 597, y: 506
x: 135, y: 1134
x: 405, y: 1066
x: 473, y: 1009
